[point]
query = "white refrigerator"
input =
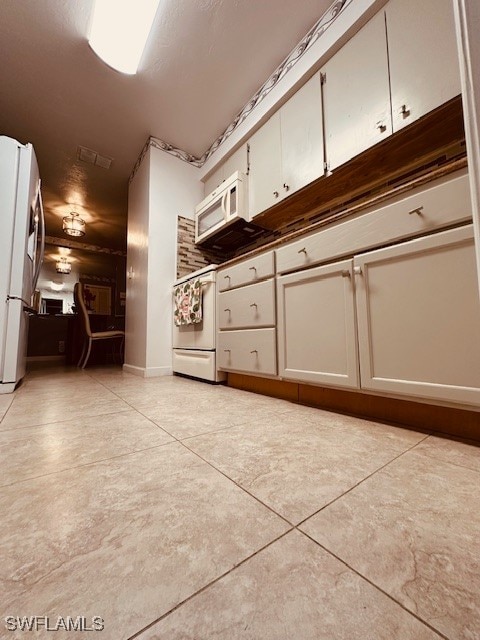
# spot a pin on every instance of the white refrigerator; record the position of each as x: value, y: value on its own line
x: 22, y: 243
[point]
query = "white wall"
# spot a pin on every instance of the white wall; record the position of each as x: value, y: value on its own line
x: 137, y: 262
x: 163, y: 188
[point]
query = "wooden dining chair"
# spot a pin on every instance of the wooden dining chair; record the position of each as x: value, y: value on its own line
x: 91, y: 336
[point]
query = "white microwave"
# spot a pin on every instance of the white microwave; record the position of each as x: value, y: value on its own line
x: 222, y: 207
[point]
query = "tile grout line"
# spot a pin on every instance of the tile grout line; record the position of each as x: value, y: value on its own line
x: 8, y: 409
x: 390, y: 597
x: 207, y: 586
x: 237, y: 485
x: 292, y: 527
x: 45, y: 424
x: 86, y: 464
x: 361, y: 481
x: 467, y: 441
x: 210, y: 464
x: 440, y: 461
x: 182, y: 442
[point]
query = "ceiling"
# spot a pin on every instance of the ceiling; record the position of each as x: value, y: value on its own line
x: 203, y: 61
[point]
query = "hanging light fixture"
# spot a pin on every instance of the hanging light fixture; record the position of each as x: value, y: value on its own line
x: 63, y: 266
x: 74, y: 225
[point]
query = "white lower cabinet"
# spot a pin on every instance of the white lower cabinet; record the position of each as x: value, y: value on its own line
x: 251, y: 351
x: 246, y: 317
x: 419, y: 318
x: 402, y: 320
x: 316, y: 325
x: 247, y: 307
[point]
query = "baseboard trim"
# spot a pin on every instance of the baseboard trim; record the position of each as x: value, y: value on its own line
x: 410, y: 414
x: 148, y: 372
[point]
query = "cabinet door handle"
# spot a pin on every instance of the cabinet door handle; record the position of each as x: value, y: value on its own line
x: 381, y: 126
x: 254, y: 351
x: 252, y: 268
x: 286, y: 187
x: 302, y: 251
x: 357, y: 271
x: 227, y: 350
x: 229, y: 310
x: 418, y: 211
x: 227, y: 276
x: 346, y: 273
x: 276, y: 194
x: 404, y: 111
x: 254, y: 304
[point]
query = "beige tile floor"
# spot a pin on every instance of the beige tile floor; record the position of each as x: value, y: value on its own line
x: 178, y: 510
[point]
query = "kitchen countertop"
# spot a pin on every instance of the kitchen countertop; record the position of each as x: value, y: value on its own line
x: 442, y: 171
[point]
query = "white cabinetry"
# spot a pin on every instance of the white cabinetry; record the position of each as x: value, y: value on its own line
x: 246, y: 313
x: 265, y: 179
x: 356, y: 94
x: 247, y: 272
x: 247, y: 307
x: 402, y: 64
x: 286, y: 153
x: 422, y: 50
x: 419, y: 318
x: 252, y: 351
x: 316, y: 326
x: 403, y: 319
x: 442, y: 203
x: 238, y: 161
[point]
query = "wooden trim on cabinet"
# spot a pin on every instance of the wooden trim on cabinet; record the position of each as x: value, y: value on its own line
x: 413, y: 415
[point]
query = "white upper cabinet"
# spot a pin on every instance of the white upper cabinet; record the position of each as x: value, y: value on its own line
x: 286, y: 153
x: 238, y: 161
x: 356, y: 94
x: 213, y: 181
x: 265, y: 166
x: 423, y: 57
x: 302, y: 137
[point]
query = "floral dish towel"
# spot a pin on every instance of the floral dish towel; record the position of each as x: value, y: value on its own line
x: 188, y: 303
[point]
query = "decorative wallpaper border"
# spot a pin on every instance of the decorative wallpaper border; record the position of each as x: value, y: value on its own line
x: 280, y: 72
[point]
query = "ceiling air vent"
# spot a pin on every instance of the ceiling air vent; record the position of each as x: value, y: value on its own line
x: 92, y: 157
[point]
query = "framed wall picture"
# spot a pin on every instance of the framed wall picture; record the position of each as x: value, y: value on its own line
x: 98, y: 299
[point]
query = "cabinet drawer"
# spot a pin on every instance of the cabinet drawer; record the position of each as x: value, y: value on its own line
x: 247, y: 272
x: 251, y: 306
x: 251, y: 350
x: 444, y: 202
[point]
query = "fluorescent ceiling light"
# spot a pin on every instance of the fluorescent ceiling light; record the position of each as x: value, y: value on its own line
x: 120, y: 30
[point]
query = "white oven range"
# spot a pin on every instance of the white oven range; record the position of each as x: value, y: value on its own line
x: 194, y: 344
